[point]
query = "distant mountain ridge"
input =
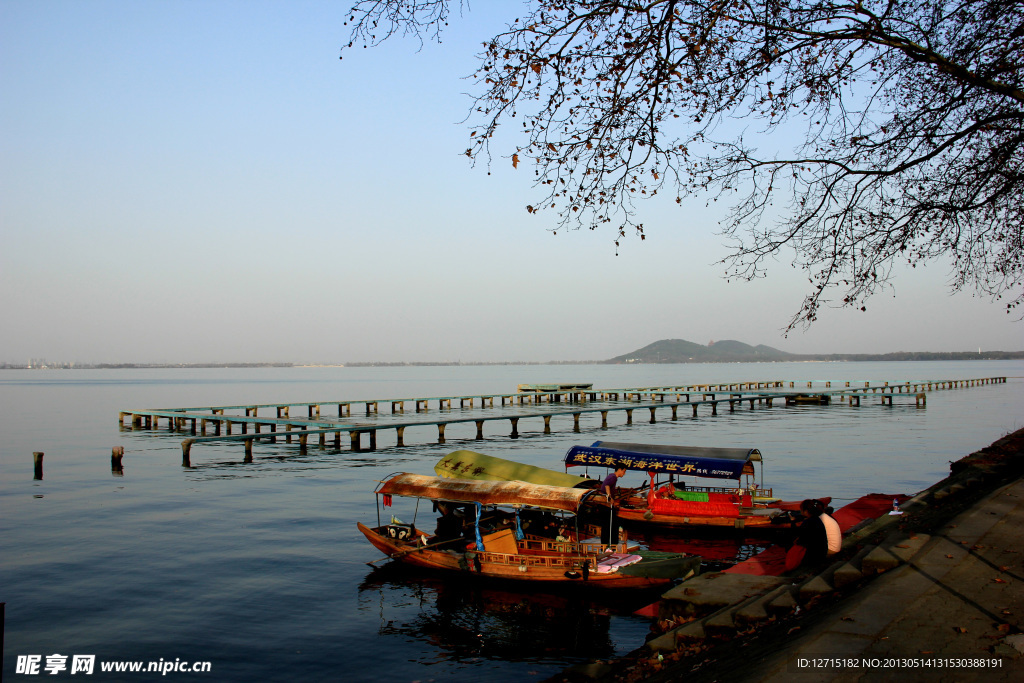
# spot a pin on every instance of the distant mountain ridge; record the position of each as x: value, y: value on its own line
x: 732, y: 351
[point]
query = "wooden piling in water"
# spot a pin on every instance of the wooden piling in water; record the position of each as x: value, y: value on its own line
x: 37, y: 465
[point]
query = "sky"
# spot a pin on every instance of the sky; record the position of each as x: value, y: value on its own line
x: 196, y: 181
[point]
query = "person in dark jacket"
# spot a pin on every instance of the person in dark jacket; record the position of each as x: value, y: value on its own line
x: 811, y: 533
x: 610, y: 485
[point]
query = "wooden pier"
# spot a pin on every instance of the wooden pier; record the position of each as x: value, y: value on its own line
x: 324, y: 418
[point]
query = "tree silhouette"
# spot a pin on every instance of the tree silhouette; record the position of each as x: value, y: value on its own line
x: 855, y: 135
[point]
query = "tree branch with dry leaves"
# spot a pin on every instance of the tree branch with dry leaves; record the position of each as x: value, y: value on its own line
x: 851, y: 136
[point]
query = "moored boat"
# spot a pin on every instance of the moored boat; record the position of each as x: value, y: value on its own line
x: 670, y: 500
x: 516, y: 531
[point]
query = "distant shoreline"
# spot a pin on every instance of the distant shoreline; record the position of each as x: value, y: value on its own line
x: 795, y: 358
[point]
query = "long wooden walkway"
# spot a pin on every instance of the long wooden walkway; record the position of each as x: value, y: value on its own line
x: 278, y: 422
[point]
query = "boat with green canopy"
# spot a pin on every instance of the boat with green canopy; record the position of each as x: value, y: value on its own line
x: 465, y: 464
x: 514, y: 530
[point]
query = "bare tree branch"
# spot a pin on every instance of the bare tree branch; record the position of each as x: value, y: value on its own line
x: 910, y: 116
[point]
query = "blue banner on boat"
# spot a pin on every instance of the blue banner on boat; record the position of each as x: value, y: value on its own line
x: 718, y: 463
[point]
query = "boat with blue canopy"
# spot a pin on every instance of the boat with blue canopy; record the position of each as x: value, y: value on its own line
x: 671, y: 499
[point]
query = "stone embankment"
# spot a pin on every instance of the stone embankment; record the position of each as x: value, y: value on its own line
x: 934, y: 594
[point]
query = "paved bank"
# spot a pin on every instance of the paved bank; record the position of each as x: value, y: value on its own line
x: 952, y: 612
x: 934, y: 595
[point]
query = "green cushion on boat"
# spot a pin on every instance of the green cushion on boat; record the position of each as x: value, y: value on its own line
x: 693, y: 496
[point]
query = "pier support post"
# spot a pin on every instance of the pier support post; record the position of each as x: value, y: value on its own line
x: 440, y: 432
x: 401, y: 436
x: 302, y: 442
x: 695, y: 409
x: 547, y: 424
x: 515, y: 427
x: 604, y: 419
x: 479, y: 429
x: 714, y: 407
x: 116, y: 456
x: 248, y: 450
x: 576, y: 422
x: 921, y: 400
x: 37, y: 465
x: 652, y: 409
x: 629, y: 416
x: 675, y: 412
x: 186, y: 449
x: 323, y: 441
x: 354, y: 436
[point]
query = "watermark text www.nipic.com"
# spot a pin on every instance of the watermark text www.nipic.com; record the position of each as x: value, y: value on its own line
x: 31, y: 665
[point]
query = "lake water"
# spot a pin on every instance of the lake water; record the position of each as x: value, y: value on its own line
x: 258, y: 567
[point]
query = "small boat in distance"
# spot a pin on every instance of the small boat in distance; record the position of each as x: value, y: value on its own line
x: 671, y: 501
x: 516, y: 531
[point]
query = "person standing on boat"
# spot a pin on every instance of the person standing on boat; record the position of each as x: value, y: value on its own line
x: 610, y: 485
x: 449, y: 526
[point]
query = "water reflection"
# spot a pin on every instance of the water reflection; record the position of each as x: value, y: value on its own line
x: 716, y: 553
x: 485, y: 619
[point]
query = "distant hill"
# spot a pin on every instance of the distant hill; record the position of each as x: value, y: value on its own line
x: 682, y: 351
x: 732, y: 351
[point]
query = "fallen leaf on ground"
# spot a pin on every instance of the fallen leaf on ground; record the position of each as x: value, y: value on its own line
x: 960, y: 629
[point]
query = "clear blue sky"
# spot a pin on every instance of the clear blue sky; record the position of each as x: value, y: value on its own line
x: 205, y: 180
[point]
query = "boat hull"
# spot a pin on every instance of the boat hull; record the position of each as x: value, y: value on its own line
x: 534, y: 565
x: 761, y: 520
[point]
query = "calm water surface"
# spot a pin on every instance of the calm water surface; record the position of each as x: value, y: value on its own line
x: 258, y: 567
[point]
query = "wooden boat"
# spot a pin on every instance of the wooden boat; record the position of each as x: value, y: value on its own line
x: 508, y: 521
x: 671, y: 501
